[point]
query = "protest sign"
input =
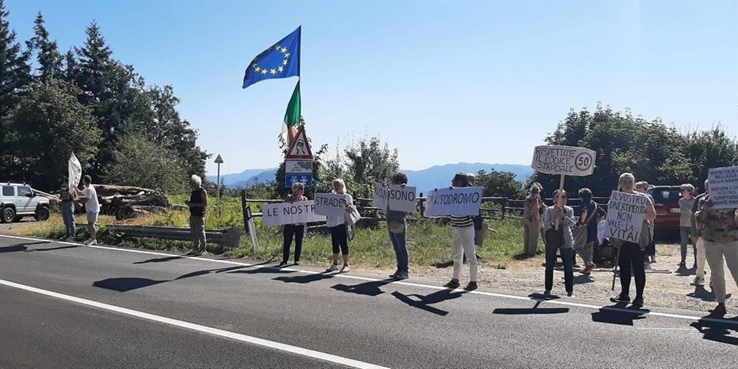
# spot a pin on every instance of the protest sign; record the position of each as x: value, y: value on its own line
x: 330, y: 204
x: 625, y: 213
x: 723, y: 184
x: 399, y: 198
x: 564, y: 160
x: 290, y: 213
x: 454, y: 201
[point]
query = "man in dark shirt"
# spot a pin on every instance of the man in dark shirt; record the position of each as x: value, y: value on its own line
x: 198, y: 203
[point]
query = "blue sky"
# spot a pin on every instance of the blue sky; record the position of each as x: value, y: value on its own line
x: 441, y: 81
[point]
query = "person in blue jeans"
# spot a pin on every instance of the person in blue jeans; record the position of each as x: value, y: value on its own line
x: 559, y: 239
x: 397, y: 226
x: 67, y: 210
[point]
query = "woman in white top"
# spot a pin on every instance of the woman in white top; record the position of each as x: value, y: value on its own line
x: 337, y: 227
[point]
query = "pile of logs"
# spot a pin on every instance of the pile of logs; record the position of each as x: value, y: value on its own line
x: 127, y: 202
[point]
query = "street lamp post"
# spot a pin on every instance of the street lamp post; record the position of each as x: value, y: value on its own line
x: 218, y: 161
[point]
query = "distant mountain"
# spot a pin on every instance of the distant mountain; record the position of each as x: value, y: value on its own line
x: 426, y: 179
x: 441, y: 175
x: 245, y: 178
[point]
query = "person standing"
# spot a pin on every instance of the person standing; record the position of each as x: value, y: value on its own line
x: 68, y: 196
x: 338, y: 228
x: 463, y: 242
x: 700, y: 258
x: 650, y: 251
x: 631, y: 254
x: 296, y: 231
x: 88, y: 197
x: 559, y: 240
x: 686, y: 203
x: 197, y: 203
x: 720, y: 233
x: 591, y: 214
x: 533, y: 206
x: 397, y: 226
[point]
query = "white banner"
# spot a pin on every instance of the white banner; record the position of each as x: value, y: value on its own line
x: 330, y: 204
x: 74, y: 174
x: 625, y: 216
x: 566, y: 160
x: 723, y: 184
x: 453, y: 201
x: 399, y: 198
x: 290, y: 213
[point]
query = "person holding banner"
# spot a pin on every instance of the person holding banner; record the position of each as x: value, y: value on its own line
x: 296, y: 231
x: 650, y: 252
x: 631, y: 254
x: 397, y: 226
x: 92, y: 207
x: 585, y: 234
x: 720, y: 234
x: 700, y: 258
x: 559, y: 240
x: 463, y: 236
x: 339, y: 232
x: 68, y: 197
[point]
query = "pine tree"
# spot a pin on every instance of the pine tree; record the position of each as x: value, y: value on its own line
x: 47, y: 52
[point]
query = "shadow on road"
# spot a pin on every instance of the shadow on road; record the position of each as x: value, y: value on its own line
x: 264, y: 270
x: 159, y: 260
x: 618, y: 314
x: 20, y: 246
x: 366, y: 289
x: 527, y: 311
x: 308, y: 278
x: 125, y: 284
x: 718, y: 331
x: 208, y: 271
x: 424, y: 302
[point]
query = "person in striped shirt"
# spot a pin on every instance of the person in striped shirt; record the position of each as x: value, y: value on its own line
x: 463, y: 241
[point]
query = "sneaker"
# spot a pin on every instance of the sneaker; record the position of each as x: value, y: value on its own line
x: 471, y: 286
x: 91, y: 242
x: 395, y: 274
x: 620, y: 298
x: 638, y: 302
x: 570, y: 293
x: 401, y: 276
x: 547, y: 293
x: 296, y: 263
x: 345, y: 269
x: 454, y: 283
x: 718, y: 310
x: 284, y: 263
x: 332, y: 268
x: 698, y: 281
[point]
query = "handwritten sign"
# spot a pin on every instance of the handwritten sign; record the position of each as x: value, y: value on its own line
x: 290, y: 213
x: 723, y: 184
x: 564, y: 160
x: 330, y: 204
x: 398, y: 197
x: 74, y: 169
x: 454, y: 201
x: 625, y: 215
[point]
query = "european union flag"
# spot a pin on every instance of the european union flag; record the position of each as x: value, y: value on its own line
x: 282, y: 60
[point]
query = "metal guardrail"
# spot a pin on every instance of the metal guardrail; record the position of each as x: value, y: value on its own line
x: 230, y: 237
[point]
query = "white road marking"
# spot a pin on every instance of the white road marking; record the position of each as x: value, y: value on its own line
x: 198, y: 327
x: 368, y: 279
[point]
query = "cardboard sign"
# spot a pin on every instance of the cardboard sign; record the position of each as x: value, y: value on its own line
x: 290, y: 213
x: 395, y: 197
x: 330, y: 204
x: 625, y: 213
x: 564, y: 160
x: 454, y: 201
x: 723, y: 187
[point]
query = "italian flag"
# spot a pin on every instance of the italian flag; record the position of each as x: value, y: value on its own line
x: 292, y: 116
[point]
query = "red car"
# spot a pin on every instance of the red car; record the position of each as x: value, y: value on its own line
x: 666, y: 202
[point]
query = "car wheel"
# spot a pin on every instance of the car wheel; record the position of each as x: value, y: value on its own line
x: 42, y: 213
x: 8, y: 215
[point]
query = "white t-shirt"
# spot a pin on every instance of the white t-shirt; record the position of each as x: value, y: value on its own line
x: 602, y: 231
x: 92, y: 205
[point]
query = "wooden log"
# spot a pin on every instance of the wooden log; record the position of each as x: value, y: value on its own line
x: 110, y: 190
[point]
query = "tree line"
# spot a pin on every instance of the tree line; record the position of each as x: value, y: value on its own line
x: 88, y: 103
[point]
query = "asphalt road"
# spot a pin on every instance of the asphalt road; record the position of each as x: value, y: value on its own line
x: 70, y: 306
